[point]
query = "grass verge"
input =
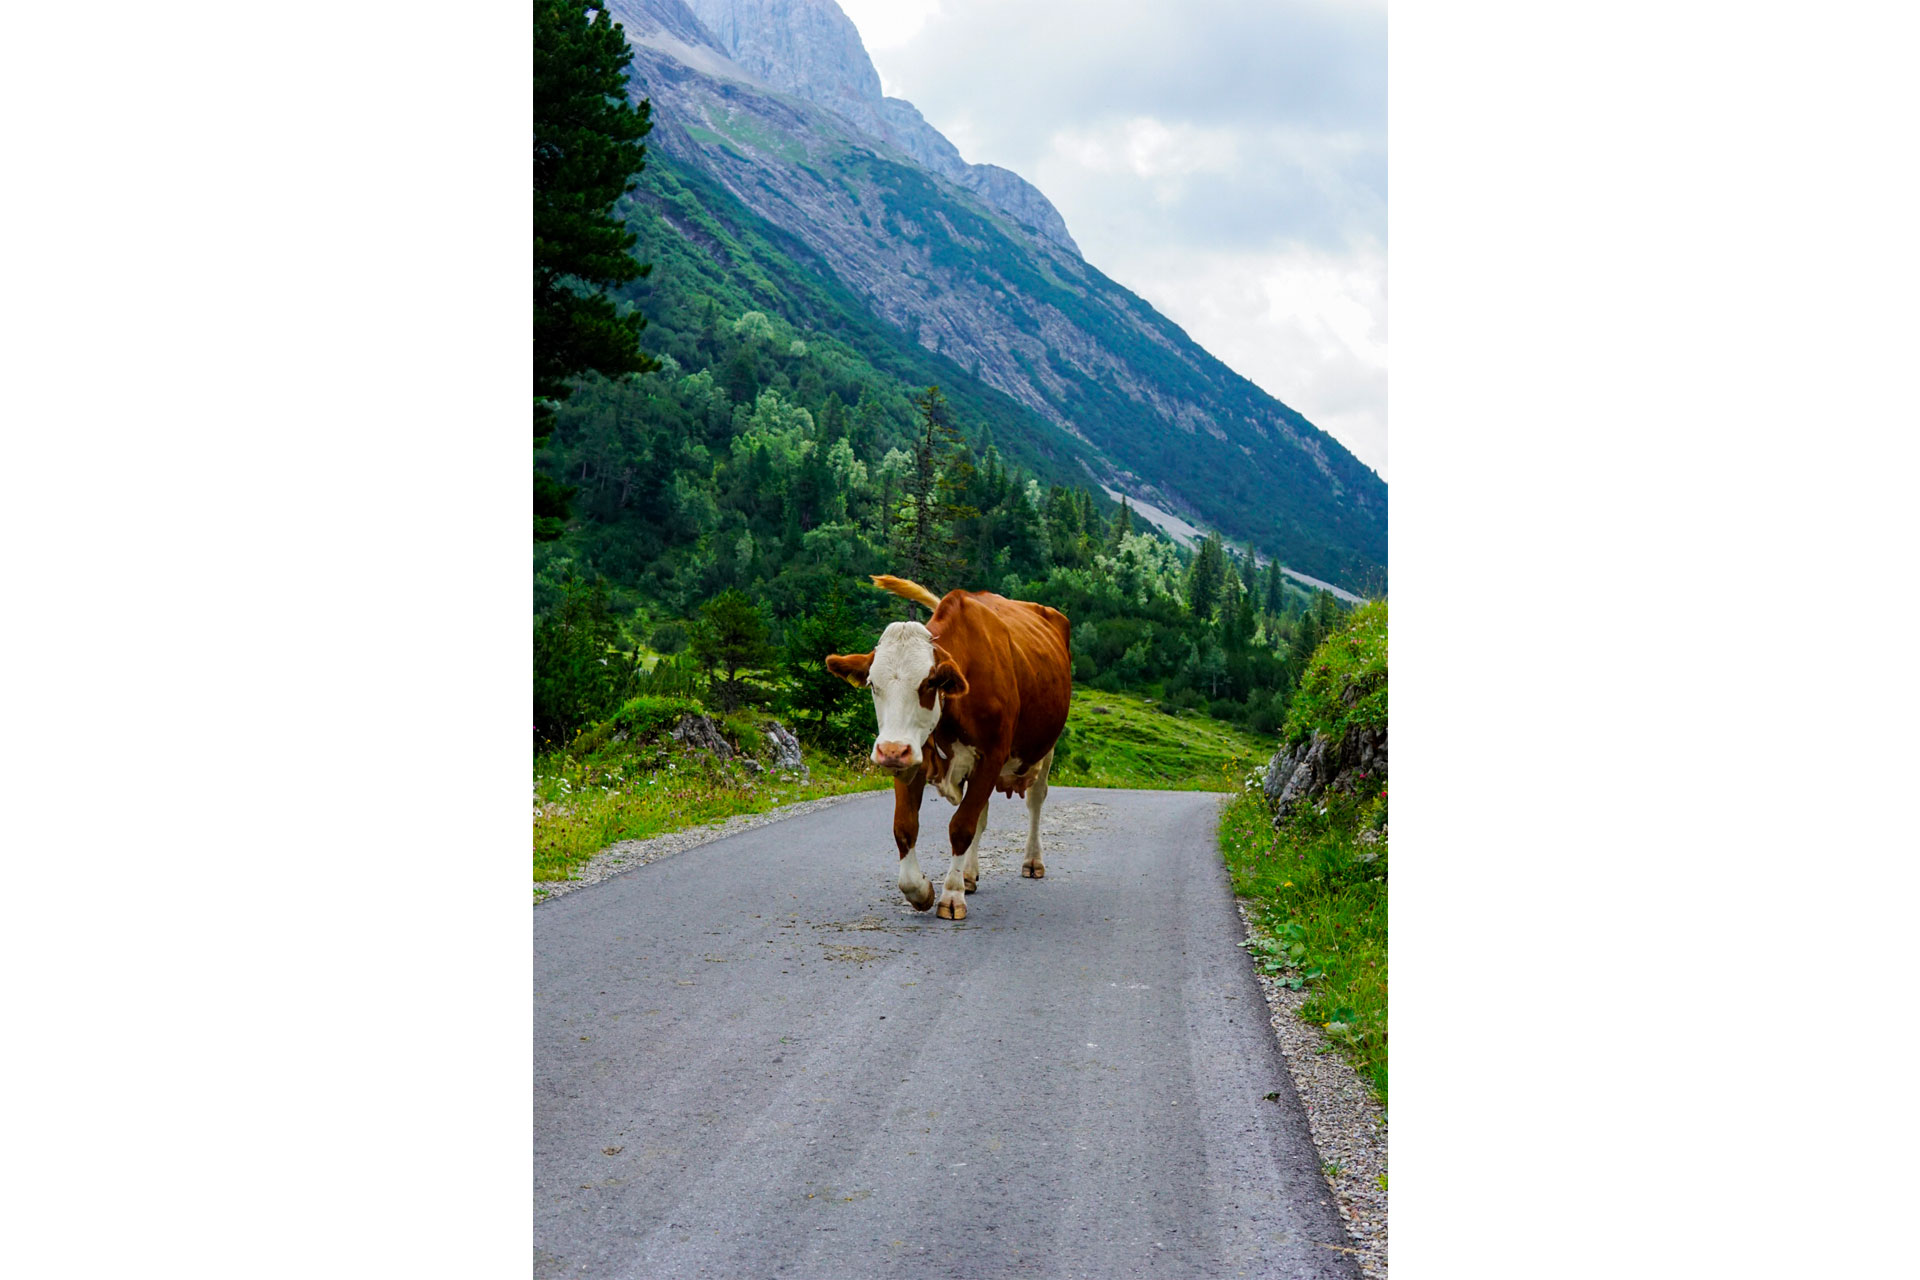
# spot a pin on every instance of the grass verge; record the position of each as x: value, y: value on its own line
x: 1125, y: 740
x: 582, y: 806
x: 1317, y: 895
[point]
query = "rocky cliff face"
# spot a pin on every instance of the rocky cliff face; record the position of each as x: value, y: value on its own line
x: 969, y: 261
x: 809, y: 48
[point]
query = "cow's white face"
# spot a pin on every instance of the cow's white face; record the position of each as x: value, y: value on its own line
x: 908, y: 681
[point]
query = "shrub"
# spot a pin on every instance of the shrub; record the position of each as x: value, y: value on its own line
x: 669, y: 638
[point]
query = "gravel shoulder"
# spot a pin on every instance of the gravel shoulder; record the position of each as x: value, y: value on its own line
x: 1348, y: 1125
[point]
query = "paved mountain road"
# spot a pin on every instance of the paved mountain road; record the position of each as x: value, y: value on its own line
x: 753, y: 1059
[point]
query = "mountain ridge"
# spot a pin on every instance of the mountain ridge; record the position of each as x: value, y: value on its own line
x: 934, y: 257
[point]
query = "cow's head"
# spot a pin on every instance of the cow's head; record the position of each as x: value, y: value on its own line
x: 907, y: 678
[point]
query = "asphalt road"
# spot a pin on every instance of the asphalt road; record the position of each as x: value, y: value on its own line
x: 754, y: 1059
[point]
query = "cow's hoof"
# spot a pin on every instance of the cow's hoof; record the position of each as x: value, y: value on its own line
x: 953, y: 906
x: 1033, y: 872
x: 921, y: 904
x: 972, y: 885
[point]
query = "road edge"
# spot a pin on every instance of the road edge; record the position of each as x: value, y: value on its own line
x: 1344, y: 1118
x: 630, y: 855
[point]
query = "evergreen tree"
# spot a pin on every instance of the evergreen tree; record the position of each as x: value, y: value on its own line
x: 586, y: 152
x: 1276, y: 592
x: 1207, y: 578
x: 1326, y: 612
x: 815, y: 694
x: 1306, y: 638
x: 1122, y: 525
x: 731, y: 637
x: 941, y: 471
x: 577, y: 677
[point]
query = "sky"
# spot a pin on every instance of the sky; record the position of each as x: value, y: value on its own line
x: 1224, y: 159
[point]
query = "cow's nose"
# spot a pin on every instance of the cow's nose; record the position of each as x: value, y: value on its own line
x: 892, y: 755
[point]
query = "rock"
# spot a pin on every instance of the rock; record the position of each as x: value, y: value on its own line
x: 1300, y: 773
x: 786, y: 749
x: 702, y: 734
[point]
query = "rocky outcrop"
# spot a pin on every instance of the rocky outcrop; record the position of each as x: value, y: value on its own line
x: 780, y: 747
x: 1299, y: 774
x: 809, y: 48
x: 784, y: 750
x: 701, y: 734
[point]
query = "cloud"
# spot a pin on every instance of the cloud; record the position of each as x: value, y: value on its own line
x: 888, y: 24
x: 1225, y: 159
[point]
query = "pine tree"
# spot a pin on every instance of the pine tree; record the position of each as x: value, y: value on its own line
x: 731, y: 637
x: 586, y: 152
x: 1122, y: 524
x: 1276, y: 593
x: 814, y: 693
x: 1207, y: 577
x: 940, y: 473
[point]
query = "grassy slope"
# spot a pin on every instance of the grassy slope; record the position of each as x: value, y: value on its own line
x: 589, y: 799
x: 582, y: 806
x: 1134, y: 744
x: 1316, y: 891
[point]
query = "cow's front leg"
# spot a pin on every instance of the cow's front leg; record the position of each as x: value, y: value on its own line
x: 965, y: 825
x: 917, y: 889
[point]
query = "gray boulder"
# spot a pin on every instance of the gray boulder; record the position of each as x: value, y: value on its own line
x: 785, y: 749
x: 1299, y: 774
x: 701, y: 734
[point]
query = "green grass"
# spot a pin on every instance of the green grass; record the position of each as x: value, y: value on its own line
x: 1132, y: 743
x: 1318, y: 900
x: 1316, y: 885
x: 1346, y: 679
x: 580, y: 806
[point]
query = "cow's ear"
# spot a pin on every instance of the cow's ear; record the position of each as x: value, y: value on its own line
x: 851, y: 667
x: 945, y: 679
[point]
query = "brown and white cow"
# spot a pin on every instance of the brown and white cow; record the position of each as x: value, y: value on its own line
x: 973, y: 700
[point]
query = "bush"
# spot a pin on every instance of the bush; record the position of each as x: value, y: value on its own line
x: 669, y: 638
x: 639, y: 718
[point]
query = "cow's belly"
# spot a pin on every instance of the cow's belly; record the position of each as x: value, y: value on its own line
x: 960, y: 768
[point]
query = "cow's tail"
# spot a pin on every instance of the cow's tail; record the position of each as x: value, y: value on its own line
x: 909, y: 590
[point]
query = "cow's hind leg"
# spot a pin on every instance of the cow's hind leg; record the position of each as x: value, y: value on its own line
x: 970, y: 872
x: 1033, y: 868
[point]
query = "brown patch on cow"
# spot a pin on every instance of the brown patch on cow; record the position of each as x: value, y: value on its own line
x: 944, y: 679
x: 851, y: 667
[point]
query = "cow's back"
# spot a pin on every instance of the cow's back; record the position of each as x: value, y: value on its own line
x: 1017, y: 662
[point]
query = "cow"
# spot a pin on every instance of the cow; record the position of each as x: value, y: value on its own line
x: 973, y: 701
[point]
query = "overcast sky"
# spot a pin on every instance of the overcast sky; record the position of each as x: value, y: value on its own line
x: 1224, y: 159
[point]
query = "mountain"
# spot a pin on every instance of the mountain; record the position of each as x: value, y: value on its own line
x: 773, y: 107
